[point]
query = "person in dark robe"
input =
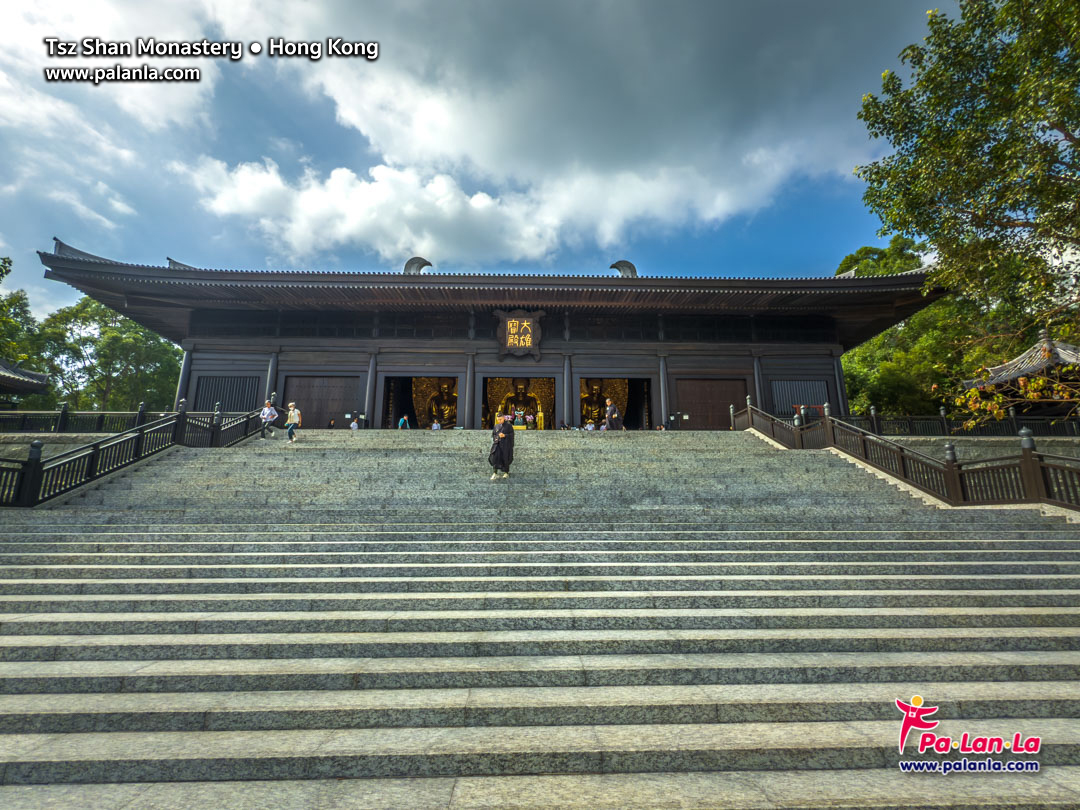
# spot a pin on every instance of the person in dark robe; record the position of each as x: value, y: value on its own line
x: 502, y: 447
x: 611, y: 416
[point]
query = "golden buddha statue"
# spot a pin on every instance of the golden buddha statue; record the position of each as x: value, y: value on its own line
x: 519, y: 403
x: 443, y: 404
x: 593, y: 404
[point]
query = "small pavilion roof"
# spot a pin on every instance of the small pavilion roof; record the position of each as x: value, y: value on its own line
x: 1045, y: 354
x: 15, y: 380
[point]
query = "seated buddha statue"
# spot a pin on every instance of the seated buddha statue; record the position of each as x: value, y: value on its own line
x: 520, y: 403
x: 442, y: 405
x: 593, y: 404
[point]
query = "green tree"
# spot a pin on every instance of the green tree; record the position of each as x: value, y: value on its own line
x: 18, y: 329
x: 100, y: 360
x: 985, y: 165
x: 902, y: 254
x: 919, y: 364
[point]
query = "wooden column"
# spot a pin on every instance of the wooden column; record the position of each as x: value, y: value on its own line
x: 841, y: 389
x: 759, y: 387
x: 182, y: 383
x: 271, y: 375
x: 569, y: 412
x: 663, y: 392
x: 470, y: 377
x: 369, y: 393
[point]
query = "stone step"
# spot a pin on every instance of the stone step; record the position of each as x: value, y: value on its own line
x: 149, y: 646
x: 1054, y: 787
x: 872, y: 532
x: 291, y: 674
x: 431, y: 585
x: 706, y: 516
x: 535, y: 600
x: 497, y: 750
x: 491, y: 619
x: 226, y: 543
x: 806, y: 568
x: 12, y: 561
x: 533, y: 706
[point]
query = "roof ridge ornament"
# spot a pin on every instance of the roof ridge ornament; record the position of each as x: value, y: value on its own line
x: 415, y: 265
x: 63, y: 249
x: 175, y: 265
x: 626, y: 269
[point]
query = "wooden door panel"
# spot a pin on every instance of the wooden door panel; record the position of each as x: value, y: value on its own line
x: 322, y: 398
x: 707, y: 402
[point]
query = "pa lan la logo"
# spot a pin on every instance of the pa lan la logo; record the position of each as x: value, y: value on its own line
x: 916, y: 716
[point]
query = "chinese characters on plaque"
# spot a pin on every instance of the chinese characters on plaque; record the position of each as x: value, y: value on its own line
x: 519, y: 332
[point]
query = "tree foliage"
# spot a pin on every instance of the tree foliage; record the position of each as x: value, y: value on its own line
x: 96, y: 359
x: 100, y: 360
x: 17, y: 324
x: 902, y: 254
x: 986, y: 167
x: 986, y: 170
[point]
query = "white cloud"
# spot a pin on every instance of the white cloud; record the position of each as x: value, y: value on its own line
x: 577, y: 122
x: 484, y: 133
x: 396, y: 212
x: 73, y: 201
x: 24, y: 53
x: 24, y: 109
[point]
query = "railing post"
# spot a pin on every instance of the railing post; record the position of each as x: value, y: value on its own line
x: 61, y: 419
x: 748, y: 403
x: 92, y: 462
x: 875, y: 425
x: 731, y: 416
x: 944, y: 421
x: 140, y: 440
x: 830, y: 436
x: 140, y: 417
x: 1030, y: 468
x: 952, y: 475
x: 99, y: 423
x: 1015, y: 424
x: 796, y: 434
x: 273, y: 397
x: 30, y: 480
x: 215, y: 426
x: 180, y: 428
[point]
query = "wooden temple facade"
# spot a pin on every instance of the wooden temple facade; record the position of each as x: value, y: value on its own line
x: 463, y: 347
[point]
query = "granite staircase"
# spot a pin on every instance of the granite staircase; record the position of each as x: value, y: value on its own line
x: 634, y: 620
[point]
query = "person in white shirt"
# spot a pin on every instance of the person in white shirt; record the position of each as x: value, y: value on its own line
x: 292, y: 421
x: 268, y: 415
x: 354, y: 425
x: 435, y: 425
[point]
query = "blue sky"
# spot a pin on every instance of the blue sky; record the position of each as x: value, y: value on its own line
x: 690, y: 137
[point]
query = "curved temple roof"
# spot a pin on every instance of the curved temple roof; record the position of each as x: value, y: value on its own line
x: 162, y: 297
x: 15, y: 380
x: 1045, y: 354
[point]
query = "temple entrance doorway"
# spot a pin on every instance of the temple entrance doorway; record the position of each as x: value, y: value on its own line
x: 630, y: 395
x: 422, y: 400
x: 707, y: 402
x: 531, y: 399
x: 321, y: 399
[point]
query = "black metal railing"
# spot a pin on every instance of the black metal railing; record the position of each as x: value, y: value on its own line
x: 1030, y: 477
x: 942, y: 425
x: 68, y: 421
x: 35, y: 480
